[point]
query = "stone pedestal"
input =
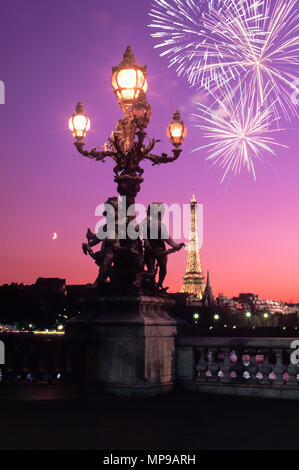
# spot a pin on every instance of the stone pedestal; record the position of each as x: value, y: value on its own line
x: 135, y: 343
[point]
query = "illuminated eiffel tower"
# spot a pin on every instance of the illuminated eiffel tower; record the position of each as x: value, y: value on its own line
x: 194, y: 282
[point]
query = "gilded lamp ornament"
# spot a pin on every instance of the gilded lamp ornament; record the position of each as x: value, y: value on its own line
x: 141, y: 111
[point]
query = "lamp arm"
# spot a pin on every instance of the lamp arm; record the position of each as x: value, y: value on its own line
x: 151, y: 145
x: 164, y: 158
x: 99, y: 156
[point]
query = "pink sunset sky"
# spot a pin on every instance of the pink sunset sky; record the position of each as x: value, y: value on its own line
x: 54, y: 54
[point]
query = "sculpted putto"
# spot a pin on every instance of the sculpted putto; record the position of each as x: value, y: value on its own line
x: 122, y: 259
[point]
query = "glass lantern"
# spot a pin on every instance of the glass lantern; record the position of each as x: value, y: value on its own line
x: 128, y: 80
x: 176, y: 130
x: 79, y: 123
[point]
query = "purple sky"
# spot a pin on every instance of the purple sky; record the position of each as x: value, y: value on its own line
x: 53, y: 54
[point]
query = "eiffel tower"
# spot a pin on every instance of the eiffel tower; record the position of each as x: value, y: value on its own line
x: 194, y: 282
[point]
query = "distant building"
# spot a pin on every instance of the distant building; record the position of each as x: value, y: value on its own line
x: 226, y: 303
x: 292, y: 308
x: 270, y: 306
x: 50, y: 284
x: 252, y: 303
x: 208, y: 296
x: 247, y: 298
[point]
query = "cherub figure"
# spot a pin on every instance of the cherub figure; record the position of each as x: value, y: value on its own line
x: 110, y: 245
x: 155, y: 238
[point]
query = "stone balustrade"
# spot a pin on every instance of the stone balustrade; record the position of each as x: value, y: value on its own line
x: 44, y: 367
x: 240, y: 366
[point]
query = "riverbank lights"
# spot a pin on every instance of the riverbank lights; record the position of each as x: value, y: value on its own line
x: 176, y: 130
x: 79, y: 123
x: 128, y: 80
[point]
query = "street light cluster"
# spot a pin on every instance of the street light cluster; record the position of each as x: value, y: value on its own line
x: 130, y: 85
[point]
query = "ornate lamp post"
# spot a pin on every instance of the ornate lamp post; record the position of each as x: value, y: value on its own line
x: 126, y: 145
x: 128, y: 316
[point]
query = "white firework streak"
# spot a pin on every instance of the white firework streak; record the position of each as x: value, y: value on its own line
x: 264, y: 38
x: 187, y: 31
x: 238, y: 129
x: 257, y: 40
x: 181, y: 31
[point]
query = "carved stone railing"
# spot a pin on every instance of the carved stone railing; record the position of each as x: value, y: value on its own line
x: 45, y: 367
x: 239, y: 366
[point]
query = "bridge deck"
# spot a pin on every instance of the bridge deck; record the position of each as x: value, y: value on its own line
x: 181, y: 420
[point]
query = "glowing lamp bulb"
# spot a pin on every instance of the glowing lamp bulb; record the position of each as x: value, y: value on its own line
x: 128, y: 79
x: 79, y: 123
x: 176, y: 130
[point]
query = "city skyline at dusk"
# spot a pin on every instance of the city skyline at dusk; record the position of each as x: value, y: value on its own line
x: 59, y: 54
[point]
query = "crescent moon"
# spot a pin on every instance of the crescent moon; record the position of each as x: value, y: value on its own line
x: 54, y: 236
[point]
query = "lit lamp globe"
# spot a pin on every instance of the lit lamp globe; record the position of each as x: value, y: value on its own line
x: 176, y: 130
x: 79, y: 123
x: 128, y: 79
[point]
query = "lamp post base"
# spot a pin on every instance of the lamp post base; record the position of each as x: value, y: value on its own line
x: 133, y: 344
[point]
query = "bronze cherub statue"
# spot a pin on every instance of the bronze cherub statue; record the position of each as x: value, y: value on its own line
x: 155, y: 238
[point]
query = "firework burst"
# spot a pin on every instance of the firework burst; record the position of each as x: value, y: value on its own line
x: 238, y: 129
x: 255, y: 40
x: 180, y: 29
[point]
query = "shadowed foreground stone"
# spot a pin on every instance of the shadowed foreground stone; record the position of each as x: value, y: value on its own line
x: 178, y: 421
